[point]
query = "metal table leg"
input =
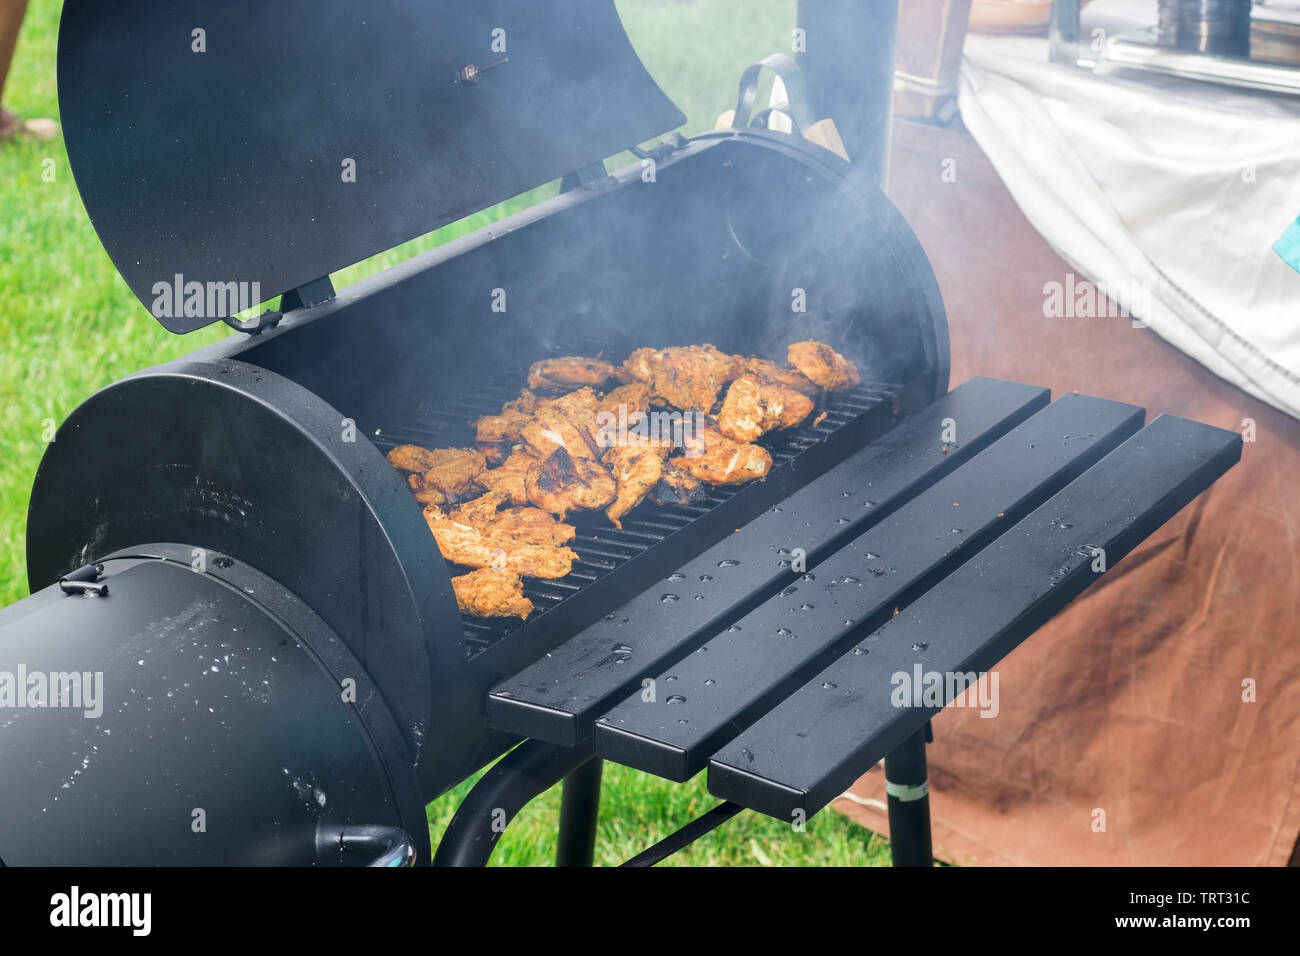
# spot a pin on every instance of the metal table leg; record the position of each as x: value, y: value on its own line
x: 579, y: 809
x: 526, y: 772
x: 907, y: 791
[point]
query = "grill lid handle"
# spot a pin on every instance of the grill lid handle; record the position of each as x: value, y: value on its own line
x: 227, y: 153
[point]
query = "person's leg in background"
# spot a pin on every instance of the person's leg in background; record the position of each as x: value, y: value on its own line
x: 11, y: 126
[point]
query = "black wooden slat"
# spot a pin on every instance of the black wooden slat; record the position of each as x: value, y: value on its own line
x: 807, y: 750
x: 557, y: 698
x: 705, y: 699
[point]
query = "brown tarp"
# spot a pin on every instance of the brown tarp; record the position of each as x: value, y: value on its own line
x: 1131, y: 700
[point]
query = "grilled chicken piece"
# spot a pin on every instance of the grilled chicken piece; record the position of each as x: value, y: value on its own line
x: 495, y: 435
x: 752, y: 408
x: 685, y: 377
x: 451, y: 472
x: 540, y: 560
x: 423, y: 494
x: 412, y: 458
x: 461, y: 544
x: 773, y: 374
x: 713, y: 457
x: 512, y: 527
x: 481, y: 511
x: 826, y: 367
x: 541, y: 437
x: 578, y: 407
x: 637, y: 469
x: 570, y: 371
x: 676, y: 487
x: 560, y: 483
x: 509, y: 478
x: 626, y: 400
x: 529, y: 526
x: 488, y: 593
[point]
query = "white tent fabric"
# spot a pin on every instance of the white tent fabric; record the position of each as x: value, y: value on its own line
x: 1140, y: 182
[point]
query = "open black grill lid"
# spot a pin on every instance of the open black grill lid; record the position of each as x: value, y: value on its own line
x: 214, y: 141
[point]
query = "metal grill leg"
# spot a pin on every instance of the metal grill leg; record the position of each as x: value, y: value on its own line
x: 907, y: 792
x: 579, y: 808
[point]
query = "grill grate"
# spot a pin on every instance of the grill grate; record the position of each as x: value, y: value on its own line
x: 602, y: 548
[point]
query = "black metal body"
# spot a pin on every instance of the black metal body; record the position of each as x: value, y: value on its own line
x: 267, y: 452
x: 223, y: 734
x: 266, y: 448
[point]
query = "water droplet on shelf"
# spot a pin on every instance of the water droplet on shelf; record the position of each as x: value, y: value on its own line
x: 669, y: 596
x: 706, y: 578
x: 728, y: 563
x: 809, y: 577
x: 734, y: 628
x: 784, y: 632
x: 790, y: 590
x: 860, y: 652
x: 850, y: 579
x: 622, y: 648
x: 871, y: 556
x: 920, y: 646
x: 806, y: 607
x: 709, y: 682
x: 676, y: 699
x: 828, y: 685
x: 677, y: 576
x: 841, y: 520
x: 670, y: 678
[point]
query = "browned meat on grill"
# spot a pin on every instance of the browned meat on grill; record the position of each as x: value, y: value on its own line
x: 412, y: 458
x: 461, y: 544
x: 677, y: 487
x: 451, y: 472
x: 498, y: 429
x: 713, y: 457
x: 488, y: 593
x: 685, y: 377
x: 637, y: 469
x: 528, y: 526
x: 570, y: 371
x: 578, y: 407
x: 560, y: 483
x: 752, y: 408
x: 773, y: 374
x: 544, y: 434
x: 479, y: 512
x: 626, y: 400
x: 540, y: 560
x: 424, y: 494
x: 620, y: 412
x: 826, y: 367
x: 509, y: 478
x: 464, y: 545
x: 640, y: 365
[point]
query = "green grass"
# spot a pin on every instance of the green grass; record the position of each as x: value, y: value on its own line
x: 69, y: 326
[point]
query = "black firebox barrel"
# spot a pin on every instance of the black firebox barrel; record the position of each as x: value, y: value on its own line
x: 170, y: 706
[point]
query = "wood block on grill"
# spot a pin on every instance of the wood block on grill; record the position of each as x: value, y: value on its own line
x: 807, y: 750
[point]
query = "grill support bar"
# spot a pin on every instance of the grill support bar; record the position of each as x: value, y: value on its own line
x: 579, y: 810
x: 514, y: 781
x: 907, y: 792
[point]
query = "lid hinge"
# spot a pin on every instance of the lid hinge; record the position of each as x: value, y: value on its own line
x: 305, y: 296
x: 588, y: 177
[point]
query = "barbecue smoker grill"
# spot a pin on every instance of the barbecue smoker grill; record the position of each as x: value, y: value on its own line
x: 286, y: 677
